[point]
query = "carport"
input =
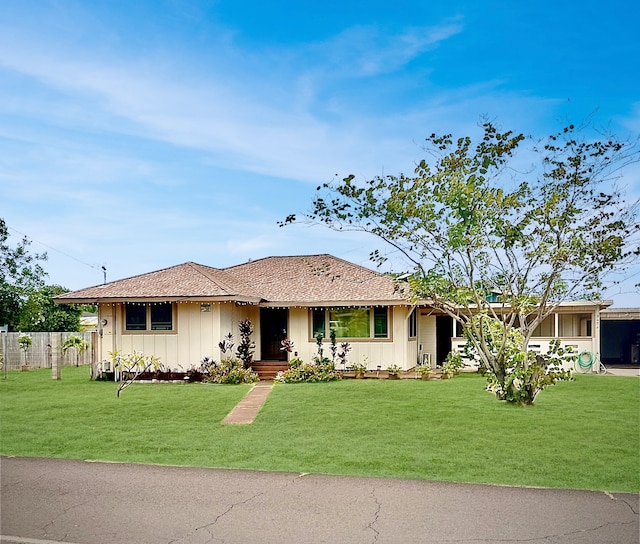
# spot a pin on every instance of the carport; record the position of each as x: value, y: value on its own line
x: 620, y: 337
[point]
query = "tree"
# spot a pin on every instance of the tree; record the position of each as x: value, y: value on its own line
x: 79, y: 345
x: 485, y: 241
x: 20, y: 276
x: 39, y: 313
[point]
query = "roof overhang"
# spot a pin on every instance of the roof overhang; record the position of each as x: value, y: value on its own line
x: 620, y: 314
x: 121, y: 300
x: 331, y: 303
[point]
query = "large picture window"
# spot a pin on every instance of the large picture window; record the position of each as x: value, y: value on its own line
x: 350, y: 322
x: 353, y: 323
x: 156, y: 316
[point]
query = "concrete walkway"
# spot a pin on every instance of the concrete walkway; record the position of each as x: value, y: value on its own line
x: 623, y: 371
x: 247, y: 409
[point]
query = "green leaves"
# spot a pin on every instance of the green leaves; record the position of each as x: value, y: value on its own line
x: 484, y: 238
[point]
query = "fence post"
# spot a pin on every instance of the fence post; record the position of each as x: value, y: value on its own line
x: 56, y: 362
x: 5, y: 361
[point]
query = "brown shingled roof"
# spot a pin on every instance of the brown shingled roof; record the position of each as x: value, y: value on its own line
x: 315, y: 279
x: 299, y: 280
x: 188, y: 280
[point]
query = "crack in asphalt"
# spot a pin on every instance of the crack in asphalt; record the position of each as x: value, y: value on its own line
x: 208, y: 526
x: 64, y: 512
x: 376, y: 515
x: 623, y: 500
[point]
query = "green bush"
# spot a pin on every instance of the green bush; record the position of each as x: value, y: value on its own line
x: 308, y: 372
x: 453, y: 364
x: 230, y: 371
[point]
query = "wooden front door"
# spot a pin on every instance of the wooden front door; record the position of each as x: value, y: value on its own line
x: 273, y: 330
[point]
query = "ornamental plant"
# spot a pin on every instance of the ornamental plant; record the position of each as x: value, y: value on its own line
x: 79, y: 345
x: 309, y: 373
x: 25, y: 341
x: 343, y: 352
x: 131, y: 366
x: 514, y: 374
x: 230, y: 371
x: 333, y: 345
x: 453, y: 364
x: 394, y: 369
x: 226, y: 344
x: 244, y: 351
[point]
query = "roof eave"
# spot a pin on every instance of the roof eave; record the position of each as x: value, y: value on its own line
x: 331, y: 303
x: 196, y: 298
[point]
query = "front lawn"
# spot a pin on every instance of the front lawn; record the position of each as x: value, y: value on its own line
x: 583, y: 434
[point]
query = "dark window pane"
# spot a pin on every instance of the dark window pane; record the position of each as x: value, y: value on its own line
x: 318, y: 325
x: 161, y: 316
x: 136, y: 316
x: 413, y: 323
x: 380, y: 323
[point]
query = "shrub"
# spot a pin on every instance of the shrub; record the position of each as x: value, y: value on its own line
x: 394, y: 369
x: 308, y: 372
x: 453, y: 364
x: 230, y: 371
x: 245, y: 348
x: 516, y: 375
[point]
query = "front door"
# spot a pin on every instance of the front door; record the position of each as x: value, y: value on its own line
x: 444, y: 332
x: 273, y: 330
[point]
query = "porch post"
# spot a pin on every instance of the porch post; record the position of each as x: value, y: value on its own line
x: 595, y: 341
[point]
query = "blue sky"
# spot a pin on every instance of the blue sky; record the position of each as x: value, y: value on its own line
x: 139, y: 135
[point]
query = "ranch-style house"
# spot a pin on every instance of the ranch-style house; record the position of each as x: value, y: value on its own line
x: 181, y: 313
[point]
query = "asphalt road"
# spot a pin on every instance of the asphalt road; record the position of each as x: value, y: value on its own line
x: 49, y: 500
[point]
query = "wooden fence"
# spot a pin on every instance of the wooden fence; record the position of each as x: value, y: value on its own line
x: 45, y: 350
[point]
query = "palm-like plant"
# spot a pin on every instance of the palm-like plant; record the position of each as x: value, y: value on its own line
x: 79, y: 344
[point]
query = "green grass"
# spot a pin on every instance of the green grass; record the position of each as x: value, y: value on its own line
x: 583, y: 434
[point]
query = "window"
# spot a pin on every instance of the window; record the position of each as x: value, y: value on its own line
x: 318, y: 325
x: 156, y: 316
x: 354, y: 323
x: 380, y: 323
x: 161, y: 316
x: 350, y: 322
x: 136, y: 316
x: 413, y: 323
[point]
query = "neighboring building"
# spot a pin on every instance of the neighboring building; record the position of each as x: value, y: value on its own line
x: 179, y: 314
x: 621, y: 337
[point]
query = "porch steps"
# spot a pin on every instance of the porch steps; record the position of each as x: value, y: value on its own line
x: 267, y: 370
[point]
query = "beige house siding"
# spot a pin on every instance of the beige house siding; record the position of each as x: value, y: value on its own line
x: 381, y: 352
x: 197, y: 333
x: 427, y: 334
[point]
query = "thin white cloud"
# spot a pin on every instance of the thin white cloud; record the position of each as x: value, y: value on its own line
x: 371, y: 51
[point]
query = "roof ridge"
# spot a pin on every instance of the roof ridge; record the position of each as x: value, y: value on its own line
x: 198, y: 268
x: 134, y: 276
x: 271, y: 257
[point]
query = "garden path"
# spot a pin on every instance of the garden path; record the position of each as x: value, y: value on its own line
x: 247, y: 409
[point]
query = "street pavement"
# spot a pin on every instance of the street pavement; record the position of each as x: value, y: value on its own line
x: 44, y: 501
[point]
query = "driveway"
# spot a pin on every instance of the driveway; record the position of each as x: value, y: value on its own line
x: 50, y: 500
